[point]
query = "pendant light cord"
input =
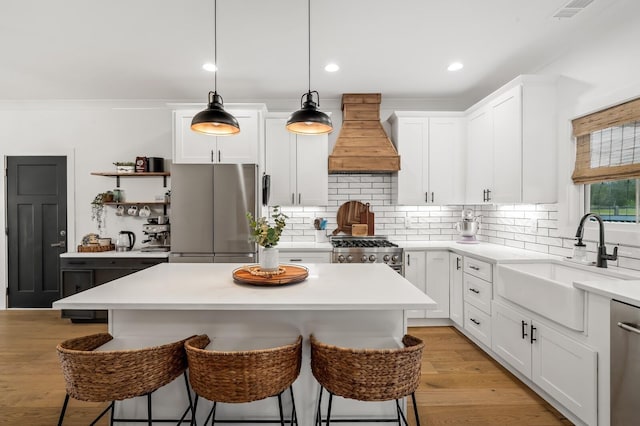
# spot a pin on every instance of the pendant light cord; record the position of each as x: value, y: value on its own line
x: 309, y: 39
x: 215, y: 45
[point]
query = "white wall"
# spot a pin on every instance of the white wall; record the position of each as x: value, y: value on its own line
x: 93, y: 135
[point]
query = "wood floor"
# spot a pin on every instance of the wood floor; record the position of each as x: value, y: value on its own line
x: 460, y: 384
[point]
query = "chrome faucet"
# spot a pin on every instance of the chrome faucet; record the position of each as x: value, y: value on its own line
x: 602, y: 256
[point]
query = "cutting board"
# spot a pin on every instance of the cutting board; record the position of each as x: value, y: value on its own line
x: 367, y: 217
x: 348, y: 214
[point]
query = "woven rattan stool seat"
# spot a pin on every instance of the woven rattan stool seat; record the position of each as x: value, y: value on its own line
x: 241, y: 376
x: 365, y: 374
x: 112, y: 375
x: 368, y: 374
x: 237, y: 376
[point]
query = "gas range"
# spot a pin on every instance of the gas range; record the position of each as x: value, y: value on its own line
x: 374, y: 249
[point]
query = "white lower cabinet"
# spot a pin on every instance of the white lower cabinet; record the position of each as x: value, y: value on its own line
x: 305, y: 257
x: 415, y: 270
x: 456, y: 302
x: 562, y: 367
x: 477, y: 323
x: 429, y: 271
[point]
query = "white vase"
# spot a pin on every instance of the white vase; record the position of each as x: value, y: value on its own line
x: 269, y: 259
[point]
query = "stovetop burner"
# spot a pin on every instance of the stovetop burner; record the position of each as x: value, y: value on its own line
x: 361, y: 242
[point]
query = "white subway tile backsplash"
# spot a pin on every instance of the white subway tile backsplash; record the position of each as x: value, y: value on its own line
x: 528, y: 226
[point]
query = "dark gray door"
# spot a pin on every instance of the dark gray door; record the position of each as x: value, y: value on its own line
x: 37, y: 225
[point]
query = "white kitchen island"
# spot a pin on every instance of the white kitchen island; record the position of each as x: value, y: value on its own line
x: 353, y: 305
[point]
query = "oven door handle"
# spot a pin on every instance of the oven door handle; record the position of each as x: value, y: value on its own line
x: 629, y: 327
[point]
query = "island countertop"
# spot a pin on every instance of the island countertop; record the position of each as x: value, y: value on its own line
x: 210, y: 286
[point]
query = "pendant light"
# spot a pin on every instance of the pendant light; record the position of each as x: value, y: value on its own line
x: 214, y: 120
x: 309, y: 120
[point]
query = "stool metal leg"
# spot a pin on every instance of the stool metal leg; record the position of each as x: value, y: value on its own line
x: 149, y: 418
x: 193, y: 412
x: 415, y: 408
x: 398, y: 412
x: 64, y: 409
x: 401, y: 413
x: 294, y: 414
x: 318, y: 411
x: 280, y: 409
x: 212, y: 415
x: 329, y: 409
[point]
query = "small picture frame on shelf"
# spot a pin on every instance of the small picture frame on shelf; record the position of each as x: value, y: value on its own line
x: 141, y: 164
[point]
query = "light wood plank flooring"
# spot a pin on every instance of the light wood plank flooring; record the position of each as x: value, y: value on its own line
x: 460, y: 384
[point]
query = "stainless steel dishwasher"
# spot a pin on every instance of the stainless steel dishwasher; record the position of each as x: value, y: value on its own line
x: 625, y: 363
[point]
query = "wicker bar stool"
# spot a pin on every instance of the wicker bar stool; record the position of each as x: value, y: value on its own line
x: 367, y: 375
x: 114, y: 375
x: 242, y: 376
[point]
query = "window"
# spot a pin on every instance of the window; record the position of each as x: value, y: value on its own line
x: 615, y: 201
x: 608, y: 161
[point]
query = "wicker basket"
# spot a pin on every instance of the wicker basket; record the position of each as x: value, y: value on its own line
x: 100, y: 376
x: 368, y: 374
x: 241, y: 376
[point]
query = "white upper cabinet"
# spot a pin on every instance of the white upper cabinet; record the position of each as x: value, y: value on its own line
x: 431, y: 155
x: 297, y: 166
x: 511, y: 144
x: 197, y: 148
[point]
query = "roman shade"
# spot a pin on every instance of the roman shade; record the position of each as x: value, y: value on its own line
x: 608, y: 144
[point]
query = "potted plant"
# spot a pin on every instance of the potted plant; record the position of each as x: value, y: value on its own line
x: 98, y: 211
x: 125, y: 166
x: 267, y: 237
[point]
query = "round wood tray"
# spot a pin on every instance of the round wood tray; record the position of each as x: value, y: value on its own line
x: 292, y: 274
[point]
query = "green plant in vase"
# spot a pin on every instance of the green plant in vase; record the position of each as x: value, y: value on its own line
x: 267, y: 236
x: 98, y: 211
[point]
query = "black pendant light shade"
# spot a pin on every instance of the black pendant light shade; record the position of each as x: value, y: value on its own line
x: 309, y: 120
x: 215, y: 120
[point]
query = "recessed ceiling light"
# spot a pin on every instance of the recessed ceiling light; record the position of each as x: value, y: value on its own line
x: 209, y: 67
x: 331, y: 67
x: 455, y: 66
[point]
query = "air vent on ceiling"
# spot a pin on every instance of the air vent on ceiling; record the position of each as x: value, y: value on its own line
x: 572, y: 8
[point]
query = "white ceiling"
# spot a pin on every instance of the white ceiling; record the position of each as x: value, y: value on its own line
x: 154, y: 49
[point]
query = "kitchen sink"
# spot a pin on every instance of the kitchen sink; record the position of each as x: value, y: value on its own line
x: 546, y: 288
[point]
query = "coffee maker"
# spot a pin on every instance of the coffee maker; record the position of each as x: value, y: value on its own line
x: 468, y: 227
x: 157, y: 235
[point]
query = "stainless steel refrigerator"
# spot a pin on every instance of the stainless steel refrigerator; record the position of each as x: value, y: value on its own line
x: 209, y: 203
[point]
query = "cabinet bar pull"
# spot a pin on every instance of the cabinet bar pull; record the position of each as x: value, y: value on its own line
x: 533, y: 339
x: 488, y: 195
x: 295, y: 260
x: 476, y: 322
x: 212, y: 160
x: 474, y: 267
x: 629, y: 327
x: 474, y: 290
x: 432, y: 197
x: 408, y: 260
x: 299, y: 197
x: 457, y: 263
x: 524, y: 329
x: 293, y: 198
x: 426, y: 197
x: 218, y: 156
x: 484, y: 195
x: 76, y: 262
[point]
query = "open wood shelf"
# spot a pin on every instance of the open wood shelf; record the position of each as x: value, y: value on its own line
x: 117, y: 203
x: 131, y: 174
x: 117, y: 175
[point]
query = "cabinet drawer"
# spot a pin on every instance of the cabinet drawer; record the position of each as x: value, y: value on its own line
x: 477, y: 292
x: 310, y: 257
x: 477, y: 323
x: 478, y: 268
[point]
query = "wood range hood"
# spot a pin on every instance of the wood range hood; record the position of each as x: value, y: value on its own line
x: 362, y: 145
